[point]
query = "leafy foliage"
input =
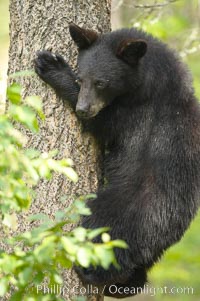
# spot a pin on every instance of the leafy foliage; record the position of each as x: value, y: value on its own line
x: 21, y: 169
x: 39, y: 255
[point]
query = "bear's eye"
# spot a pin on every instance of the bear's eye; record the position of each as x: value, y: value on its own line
x: 101, y: 84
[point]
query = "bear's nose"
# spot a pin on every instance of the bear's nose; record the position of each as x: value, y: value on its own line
x: 81, y: 113
x: 82, y: 110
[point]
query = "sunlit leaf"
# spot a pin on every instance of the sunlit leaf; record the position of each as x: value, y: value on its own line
x: 4, y: 282
x: 80, y: 233
x: 84, y: 256
x: 94, y: 233
x: 10, y: 220
x: 22, y: 73
x: 25, y: 115
x: 68, y: 245
x: 14, y: 93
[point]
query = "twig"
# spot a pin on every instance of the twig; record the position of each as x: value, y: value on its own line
x: 154, y: 5
x: 148, y: 6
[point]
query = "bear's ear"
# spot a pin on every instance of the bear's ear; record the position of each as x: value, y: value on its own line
x: 83, y: 38
x: 131, y: 51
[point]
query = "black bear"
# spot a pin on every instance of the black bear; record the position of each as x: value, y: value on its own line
x: 136, y: 97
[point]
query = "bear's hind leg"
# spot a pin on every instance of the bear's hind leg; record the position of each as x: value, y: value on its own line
x: 132, y: 286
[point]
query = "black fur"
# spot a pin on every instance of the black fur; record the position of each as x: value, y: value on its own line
x: 138, y: 101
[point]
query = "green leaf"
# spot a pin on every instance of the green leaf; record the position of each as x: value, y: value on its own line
x: 25, y: 276
x: 57, y: 278
x: 39, y: 216
x: 31, y: 170
x: 36, y: 103
x: 88, y: 196
x: 4, y: 284
x: 106, y: 256
x: 84, y: 256
x: 70, y: 173
x: 31, y: 153
x: 14, y: 93
x: 10, y: 220
x: 44, y: 254
x: 44, y: 170
x: 119, y: 243
x: 80, y: 234
x: 8, y: 263
x: 59, y: 215
x: 68, y: 245
x: 17, y: 296
x: 63, y: 261
x: 81, y: 207
x: 105, y: 237
x: 38, y: 278
x: 22, y: 73
x: 67, y: 162
x: 24, y: 115
x: 17, y: 137
x: 93, y: 233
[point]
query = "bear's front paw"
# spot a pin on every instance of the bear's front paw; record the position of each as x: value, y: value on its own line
x: 49, y: 66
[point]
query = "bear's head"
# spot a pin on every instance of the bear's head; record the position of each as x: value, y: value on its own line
x: 107, y: 68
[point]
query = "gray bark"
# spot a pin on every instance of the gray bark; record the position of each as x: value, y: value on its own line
x: 37, y: 25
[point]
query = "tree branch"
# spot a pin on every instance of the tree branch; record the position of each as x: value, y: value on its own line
x: 155, y: 5
x: 144, y: 6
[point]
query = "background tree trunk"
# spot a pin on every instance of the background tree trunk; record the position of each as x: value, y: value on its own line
x: 37, y: 25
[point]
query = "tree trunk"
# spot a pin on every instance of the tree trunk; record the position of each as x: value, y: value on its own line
x: 37, y: 25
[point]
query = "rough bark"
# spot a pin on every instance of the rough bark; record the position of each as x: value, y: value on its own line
x: 37, y: 25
